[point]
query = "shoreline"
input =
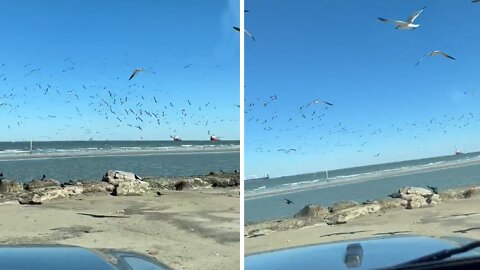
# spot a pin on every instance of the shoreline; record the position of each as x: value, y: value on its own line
x: 23, y: 157
x: 186, y: 222
x: 409, y: 211
x: 371, y: 176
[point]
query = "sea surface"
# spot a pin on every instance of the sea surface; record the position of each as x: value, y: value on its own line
x: 89, y: 160
x: 264, y: 198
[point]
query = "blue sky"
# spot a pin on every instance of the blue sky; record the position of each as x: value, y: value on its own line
x: 385, y: 108
x: 83, y: 49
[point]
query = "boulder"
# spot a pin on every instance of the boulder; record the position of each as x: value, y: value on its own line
x: 73, y: 190
x: 408, y: 192
x: 342, y: 205
x: 258, y: 232
x: 94, y: 187
x: 161, y: 183
x: 29, y: 198
x: 312, y: 211
x: 416, y: 201
x: 193, y: 183
x: 53, y: 193
x: 10, y: 186
x: 223, y: 180
x: 114, y: 177
x: 131, y: 188
x: 41, y: 183
x: 391, y: 203
x: 342, y: 216
x: 470, y: 192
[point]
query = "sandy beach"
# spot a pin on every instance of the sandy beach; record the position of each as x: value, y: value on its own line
x: 189, y: 229
x: 459, y: 218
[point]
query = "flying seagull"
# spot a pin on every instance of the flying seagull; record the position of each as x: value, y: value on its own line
x: 135, y: 73
x: 316, y: 101
x: 246, y: 32
x: 475, y: 1
x: 408, y: 24
x: 286, y: 151
x: 287, y: 201
x: 433, y: 54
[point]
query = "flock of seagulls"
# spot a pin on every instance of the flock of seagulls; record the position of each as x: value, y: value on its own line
x: 100, y: 107
x: 304, y: 130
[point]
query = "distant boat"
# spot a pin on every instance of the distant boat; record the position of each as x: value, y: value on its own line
x: 458, y: 152
x: 175, y: 138
x: 259, y: 178
x: 214, y: 138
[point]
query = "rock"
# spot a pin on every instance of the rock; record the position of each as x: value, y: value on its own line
x: 114, y: 177
x: 10, y: 186
x: 258, y: 232
x: 94, y: 187
x: 470, y: 192
x: 53, y: 193
x: 342, y: 205
x: 433, y: 200
x: 131, y: 188
x: 74, y: 190
x: 344, y: 215
x: 41, y: 183
x: 391, y: 203
x: 29, y: 198
x: 312, y: 211
x: 224, y: 180
x: 161, y: 183
x: 416, y: 201
x: 194, y: 183
x: 335, y: 219
x: 408, y: 192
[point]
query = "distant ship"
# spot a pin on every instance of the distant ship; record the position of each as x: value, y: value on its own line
x: 458, y: 152
x: 259, y: 178
x: 175, y: 138
x: 214, y: 138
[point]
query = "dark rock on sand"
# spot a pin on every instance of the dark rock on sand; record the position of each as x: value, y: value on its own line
x: 312, y: 211
x: 10, y: 186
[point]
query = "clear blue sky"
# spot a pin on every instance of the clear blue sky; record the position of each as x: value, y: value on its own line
x: 187, y: 48
x: 383, y: 104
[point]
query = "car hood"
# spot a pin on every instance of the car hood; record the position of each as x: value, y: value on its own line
x: 60, y: 257
x: 376, y: 253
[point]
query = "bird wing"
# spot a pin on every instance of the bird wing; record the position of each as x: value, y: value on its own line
x: 236, y: 28
x: 133, y: 75
x: 391, y: 21
x: 250, y: 35
x: 328, y: 103
x: 415, y: 15
x: 421, y: 59
x: 446, y: 55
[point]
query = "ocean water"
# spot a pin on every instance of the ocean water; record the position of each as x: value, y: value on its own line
x: 264, y: 198
x: 89, y: 160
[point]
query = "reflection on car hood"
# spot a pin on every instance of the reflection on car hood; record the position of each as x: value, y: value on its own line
x: 376, y: 253
x: 61, y: 257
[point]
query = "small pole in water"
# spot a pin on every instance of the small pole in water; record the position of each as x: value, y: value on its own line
x: 31, y: 144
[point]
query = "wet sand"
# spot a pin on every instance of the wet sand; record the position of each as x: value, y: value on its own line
x: 459, y: 218
x: 186, y: 230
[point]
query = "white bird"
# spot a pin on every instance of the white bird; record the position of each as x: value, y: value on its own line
x: 246, y: 32
x: 135, y: 73
x: 408, y: 24
x: 433, y: 54
x: 316, y: 101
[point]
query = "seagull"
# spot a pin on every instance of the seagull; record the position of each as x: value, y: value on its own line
x: 316, y: 101
x: 475, y: 1
x: 135, y: 73
x: 287, y: 201
x: 286, y: 151
x: 406, y: 25
x: 433, y: 54
x: 246, y: 32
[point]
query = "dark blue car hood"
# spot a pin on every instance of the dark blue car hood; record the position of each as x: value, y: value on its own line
x: 377, y: 253
x: 63, y: 257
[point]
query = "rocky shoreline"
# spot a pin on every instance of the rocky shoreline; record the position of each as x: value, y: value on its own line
x: 113, y: 182
x: 342, y: 212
